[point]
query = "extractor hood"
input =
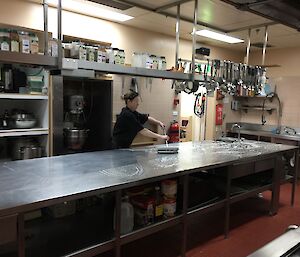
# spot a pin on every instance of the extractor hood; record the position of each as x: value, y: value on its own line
x: 286, y: 12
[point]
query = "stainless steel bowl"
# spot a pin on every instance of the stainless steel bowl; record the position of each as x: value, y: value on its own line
x: 75, y: 138
x: 22, y: 121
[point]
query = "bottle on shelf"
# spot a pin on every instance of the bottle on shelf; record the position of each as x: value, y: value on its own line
x: 159, y: 207
x: 127, y: 216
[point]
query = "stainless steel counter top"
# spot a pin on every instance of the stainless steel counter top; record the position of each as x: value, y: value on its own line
x: 269, y: 134
x: 279, y: 246
x: 24, y: 185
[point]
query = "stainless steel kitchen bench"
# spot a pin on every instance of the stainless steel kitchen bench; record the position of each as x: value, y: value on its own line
x: 33, y: 184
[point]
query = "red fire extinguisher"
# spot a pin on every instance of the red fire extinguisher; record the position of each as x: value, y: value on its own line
x: 219, y: 114
x: 173, y: 132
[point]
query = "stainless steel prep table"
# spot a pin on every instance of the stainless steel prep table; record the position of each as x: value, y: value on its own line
x: 32, y: 184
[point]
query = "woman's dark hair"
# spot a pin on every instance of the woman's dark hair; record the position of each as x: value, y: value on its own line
x: 130, y: 96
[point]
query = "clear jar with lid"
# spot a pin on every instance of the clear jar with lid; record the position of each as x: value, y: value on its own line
x: 24, y: 42
x: 4, y: 40
x: 110, y: 58
x: 164, y: 63
x: 14, y: 41
x: 149, y: 61
x: 122, y: 56
x: 154, y: 62
x: 82, y: 52
x: 34, y: 43
x: 90, y: 53
x: 116, y: 55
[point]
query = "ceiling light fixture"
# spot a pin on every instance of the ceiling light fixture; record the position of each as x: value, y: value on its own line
x: 219, y: 36
x: 91, y: 9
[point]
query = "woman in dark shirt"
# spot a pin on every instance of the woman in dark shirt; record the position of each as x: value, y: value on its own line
x: 130, y: 122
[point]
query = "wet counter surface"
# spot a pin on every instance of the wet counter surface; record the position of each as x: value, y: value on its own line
x: 30, y: 184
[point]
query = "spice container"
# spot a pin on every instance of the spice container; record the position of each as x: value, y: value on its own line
x: 4, y: 40
x: 14, y: 41
x: 34, y: 43
x: 24, y: 42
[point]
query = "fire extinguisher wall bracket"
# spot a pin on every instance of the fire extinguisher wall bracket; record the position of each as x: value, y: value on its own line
x: 219, y: 114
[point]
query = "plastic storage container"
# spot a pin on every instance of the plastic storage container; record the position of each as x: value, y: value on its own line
x: 14, y: 41
x: 34, y: 43
x: 127, y: 216
x: 24, y: 42
x: 4, y: 40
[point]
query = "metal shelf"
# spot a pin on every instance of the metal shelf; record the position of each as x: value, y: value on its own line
x: 33, y: 59
x: 23, y: 96
x: 77, y: 65
x: 24, y: 132
x: 258, y: 108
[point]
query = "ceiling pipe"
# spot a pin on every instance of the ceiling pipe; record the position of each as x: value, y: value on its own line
x: 248, y: 46
x: 265, y: 46
x: 194, y: 39
x: 59, y: 34
x: 45, y: 10
x: 177, y: 37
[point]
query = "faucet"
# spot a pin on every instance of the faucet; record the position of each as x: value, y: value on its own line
x: 289, y: 131
x: 239, y: 130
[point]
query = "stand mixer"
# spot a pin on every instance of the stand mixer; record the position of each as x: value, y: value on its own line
x: 74, y: 132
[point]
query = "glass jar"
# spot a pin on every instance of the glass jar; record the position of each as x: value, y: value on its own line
x: 164, y: 63
x: 4, y: 40
x: 122, y: 56
x: 53, y: 47
x: 90, y: 52
x: 110, y: 58
x: 34, y: 43
x: 82, y: 52
x: 14, y: 41
x: 154, y: 62
x: 116, y: 55
x: 159, y: 63
x: 24, y: 42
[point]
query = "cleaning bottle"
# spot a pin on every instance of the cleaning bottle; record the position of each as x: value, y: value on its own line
x: 127, y: 216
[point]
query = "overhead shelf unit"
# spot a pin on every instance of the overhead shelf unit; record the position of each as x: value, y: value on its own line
x: 31, y: 59
x: 24, y: 132
x: 80, y: 66
x: 22, y: 96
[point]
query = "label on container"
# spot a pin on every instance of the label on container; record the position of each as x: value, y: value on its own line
x: 25, y: 45
x: 4, y: 46
x: 159, y: 210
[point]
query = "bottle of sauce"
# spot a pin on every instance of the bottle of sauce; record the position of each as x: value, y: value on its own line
x: 159, y: 207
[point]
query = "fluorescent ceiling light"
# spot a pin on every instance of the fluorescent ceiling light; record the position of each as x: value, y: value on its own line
x: 219, y: 36
x: 91, y: 9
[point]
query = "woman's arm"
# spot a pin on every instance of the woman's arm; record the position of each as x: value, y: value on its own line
x: 156, y: 122
x: 148, y: 133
